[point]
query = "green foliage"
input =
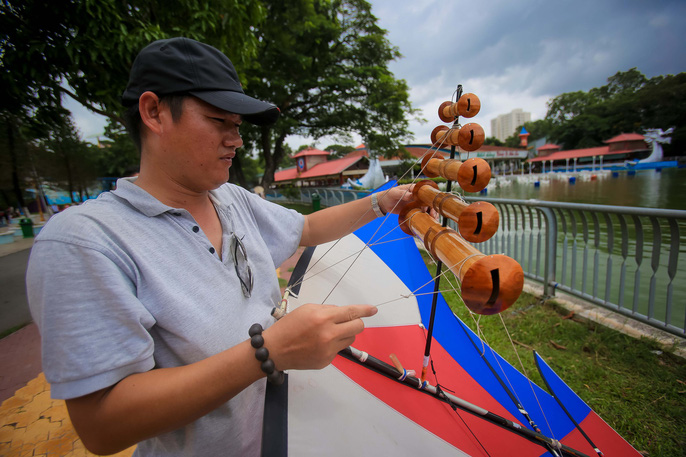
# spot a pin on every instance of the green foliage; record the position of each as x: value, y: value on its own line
x: 537, y: 129
x: 290, y: 192
x: 91, y: 44
x: 84, y: 49
x: 493, y: 141
x: 118, y: 154
x: 325, y: 65
x: 339, y: 150
x: 629, y: 102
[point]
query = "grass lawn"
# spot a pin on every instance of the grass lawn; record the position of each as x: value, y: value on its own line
x: 636, y: 386
x: 302, y: 209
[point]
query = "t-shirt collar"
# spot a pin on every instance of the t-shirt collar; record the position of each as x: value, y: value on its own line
x: 146, y: 203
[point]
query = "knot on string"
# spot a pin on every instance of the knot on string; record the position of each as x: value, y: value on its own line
x: 465, y: 261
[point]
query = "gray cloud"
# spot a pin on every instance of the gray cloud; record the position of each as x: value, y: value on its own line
x: 529, y: 51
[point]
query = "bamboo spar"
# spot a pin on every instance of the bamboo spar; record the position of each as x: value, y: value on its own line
x: 477, y: 222
x: 490, y: 284
x: 472, y: 175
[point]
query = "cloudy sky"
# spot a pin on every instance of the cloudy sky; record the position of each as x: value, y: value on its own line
x: 515, y: 54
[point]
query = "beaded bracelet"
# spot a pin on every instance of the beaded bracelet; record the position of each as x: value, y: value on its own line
x: 262, y: 354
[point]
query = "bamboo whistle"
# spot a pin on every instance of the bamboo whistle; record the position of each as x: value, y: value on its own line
x: 469, y: 137
x: 490, y: 284
x: 472, y: 175
x: 467, y: 106
x: 476, y: 222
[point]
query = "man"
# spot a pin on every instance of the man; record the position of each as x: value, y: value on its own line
x: 144, y: 296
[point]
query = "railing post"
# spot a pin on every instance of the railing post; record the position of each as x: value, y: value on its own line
x: 550, y: 251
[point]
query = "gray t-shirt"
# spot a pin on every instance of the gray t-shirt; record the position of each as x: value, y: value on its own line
x: 123, y: 284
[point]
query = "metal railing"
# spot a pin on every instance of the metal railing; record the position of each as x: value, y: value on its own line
x: 329, y: 196
x: 630, y: 260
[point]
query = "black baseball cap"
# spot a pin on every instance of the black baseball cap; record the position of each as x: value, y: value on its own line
x: 181, y: 65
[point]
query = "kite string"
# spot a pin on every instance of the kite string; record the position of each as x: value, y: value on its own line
x: 484, y: 342
x: 383, y: 195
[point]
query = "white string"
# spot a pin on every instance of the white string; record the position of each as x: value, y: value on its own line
x: 383, y: 222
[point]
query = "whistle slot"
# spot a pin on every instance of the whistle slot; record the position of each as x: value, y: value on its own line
x: 474, y: 177
x: 495, y: 277
x: 478, y: 223
x: 471, y: 136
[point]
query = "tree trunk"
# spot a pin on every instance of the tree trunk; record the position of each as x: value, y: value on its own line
x: 18, y: 191
x: 272, y: 158
x: 236, y: 175
x: 70, y: 179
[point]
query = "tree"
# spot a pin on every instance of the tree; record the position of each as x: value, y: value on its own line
x: 67, y: 161
x: 628, y: 103
x: 118, y: 154
x: 90, y: 44
x: 339, y: 150
x: 84, y: 49
x: 324, y: 63
x: 537, y: 129
x: 493, y: 141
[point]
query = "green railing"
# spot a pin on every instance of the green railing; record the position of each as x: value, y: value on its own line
x: 630, y: 260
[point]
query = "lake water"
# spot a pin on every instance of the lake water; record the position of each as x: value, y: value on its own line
x: 647, y: 188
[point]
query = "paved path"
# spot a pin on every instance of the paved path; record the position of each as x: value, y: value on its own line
x: 14, y: 308
x: 31, y: 423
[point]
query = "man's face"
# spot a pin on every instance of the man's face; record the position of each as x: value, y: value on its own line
x: 200, y: 145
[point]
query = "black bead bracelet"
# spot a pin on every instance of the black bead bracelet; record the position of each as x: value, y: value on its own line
x: 262, y: 355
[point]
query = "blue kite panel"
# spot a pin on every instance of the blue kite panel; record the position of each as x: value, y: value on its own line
x: 576, y: 407
x: 403, y: 257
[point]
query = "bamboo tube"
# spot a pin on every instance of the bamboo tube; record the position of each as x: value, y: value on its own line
x: 445, y: 135
x: 447, y: 111
x: 476, y: 223
x: 490, y: 284
x: 472, y: 175
x: 467, y: 106
x: 469, y: 137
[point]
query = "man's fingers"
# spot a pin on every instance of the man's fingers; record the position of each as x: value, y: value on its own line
x: 352, y: 312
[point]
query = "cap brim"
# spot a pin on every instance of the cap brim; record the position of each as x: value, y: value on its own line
x: 253, y: 110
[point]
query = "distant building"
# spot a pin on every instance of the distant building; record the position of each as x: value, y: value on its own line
x: 619, y: 149
x: 505, y: 125
x: 313, y: 169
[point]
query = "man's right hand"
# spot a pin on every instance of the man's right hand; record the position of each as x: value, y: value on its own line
x: 310, y: 336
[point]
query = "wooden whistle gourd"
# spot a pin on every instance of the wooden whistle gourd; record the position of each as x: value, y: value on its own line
x: 467, y: 106
x: 476, y: 223
x: 469, y: 137
x: 473, y: 175
x: 490, y: 284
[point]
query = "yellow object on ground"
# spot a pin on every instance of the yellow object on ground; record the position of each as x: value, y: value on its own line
x: 33, y: 424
